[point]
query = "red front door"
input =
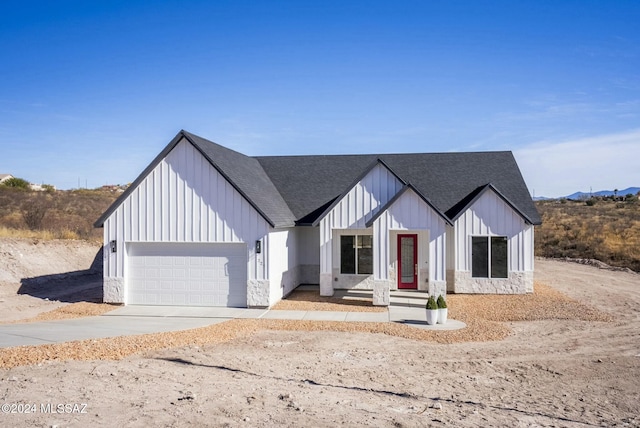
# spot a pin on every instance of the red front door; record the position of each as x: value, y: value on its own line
x: 408, y: 261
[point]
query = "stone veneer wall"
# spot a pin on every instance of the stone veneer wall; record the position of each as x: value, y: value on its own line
x: 437, y: 288
x: 258, y: 293
x: 516, y: 283
x: 352, y: 282
x: 113, y: 290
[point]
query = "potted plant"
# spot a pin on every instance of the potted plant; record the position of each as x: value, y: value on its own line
x: 432, y: 311
x: 442, y: 310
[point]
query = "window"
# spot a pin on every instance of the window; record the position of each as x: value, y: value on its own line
x: 489, y: 257
x: 356, y: 254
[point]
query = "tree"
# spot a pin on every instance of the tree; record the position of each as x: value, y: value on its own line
x: 18, y: 183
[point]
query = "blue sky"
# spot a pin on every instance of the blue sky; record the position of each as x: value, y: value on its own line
x: 91, y: 91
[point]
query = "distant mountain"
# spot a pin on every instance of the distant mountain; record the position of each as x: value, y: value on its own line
x: 585, y: 195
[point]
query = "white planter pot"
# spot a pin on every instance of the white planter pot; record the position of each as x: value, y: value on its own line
x: 442, y: 315
x: 432, y: 316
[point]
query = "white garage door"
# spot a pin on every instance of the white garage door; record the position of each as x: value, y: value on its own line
x: 183, y: 274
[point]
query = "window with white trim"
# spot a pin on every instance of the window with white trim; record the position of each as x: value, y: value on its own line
x: 356, y: 254
x: 489, y: 257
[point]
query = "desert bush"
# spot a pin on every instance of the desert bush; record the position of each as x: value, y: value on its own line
x: 607, y: 231
x: 48, y: 188
x: 69, y: 214
x: 17, y: 183
x: 33, y: 212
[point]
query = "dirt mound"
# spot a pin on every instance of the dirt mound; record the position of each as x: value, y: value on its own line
x: 29, y: 258
x: 38, y: 276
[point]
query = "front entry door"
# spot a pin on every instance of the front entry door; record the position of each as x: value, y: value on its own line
x: 408, y: 261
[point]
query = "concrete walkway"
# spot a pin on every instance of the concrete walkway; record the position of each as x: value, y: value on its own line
x: 406, y: 308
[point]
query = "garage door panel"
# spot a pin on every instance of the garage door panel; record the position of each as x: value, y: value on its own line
x: 186, y: 274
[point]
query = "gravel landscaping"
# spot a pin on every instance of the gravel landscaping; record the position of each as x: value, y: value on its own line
x: 547, y: 359
x: 485, y: 316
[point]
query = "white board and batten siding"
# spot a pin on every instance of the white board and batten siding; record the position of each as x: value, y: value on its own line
x: 361, y: 203
x: 491, y: 216
x: 185, y: 199
x: 409, y: 212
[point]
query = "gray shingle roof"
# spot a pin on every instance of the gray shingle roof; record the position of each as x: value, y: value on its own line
x: 446, y: 179
x: 290, y: 190
x: 247, y: 175
x: 243, y: 172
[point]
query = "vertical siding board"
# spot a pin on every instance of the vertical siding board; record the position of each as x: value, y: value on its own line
x: 151, y: 206
x: 182, y: 199
x: 491, y: 216
x: 204, y: 197
x: 219, y: 203
x: 409, y: 212
x: 155, y: 230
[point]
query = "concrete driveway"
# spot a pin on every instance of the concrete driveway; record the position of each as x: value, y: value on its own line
x: 406, y: 308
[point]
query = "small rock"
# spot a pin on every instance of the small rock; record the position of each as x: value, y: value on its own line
x: 437, y: 406
x: 187, y: 395
x: 295, y: 406
x: 247, y: 419
x: 285, y: 396
x: 599, y: 360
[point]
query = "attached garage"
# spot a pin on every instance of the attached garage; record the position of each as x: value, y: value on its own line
x: 186, y: 274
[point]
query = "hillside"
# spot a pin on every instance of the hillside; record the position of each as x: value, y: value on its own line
x: 600, y: 229
x: 605, y: 230
x: 61, y: 214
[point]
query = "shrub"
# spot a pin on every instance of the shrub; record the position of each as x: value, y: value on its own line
x: 48, y: 188
x: 431, y: 303
x: 18, y: 183
x: 33, y: 212
x: 442, y: 304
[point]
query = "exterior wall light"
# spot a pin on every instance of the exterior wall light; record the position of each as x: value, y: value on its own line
x: 113, y: 245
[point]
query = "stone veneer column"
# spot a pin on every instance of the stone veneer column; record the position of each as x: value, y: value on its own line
x: 258, y: 293
x: 113, y: 290
x: 326, y: 284
x: 381, y: 293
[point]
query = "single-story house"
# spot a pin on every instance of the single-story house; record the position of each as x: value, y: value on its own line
x: 204, y: 225
x: 5, y: 177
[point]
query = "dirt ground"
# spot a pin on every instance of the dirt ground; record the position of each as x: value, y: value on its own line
x: 38, y: 276
x: 546, y: 373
